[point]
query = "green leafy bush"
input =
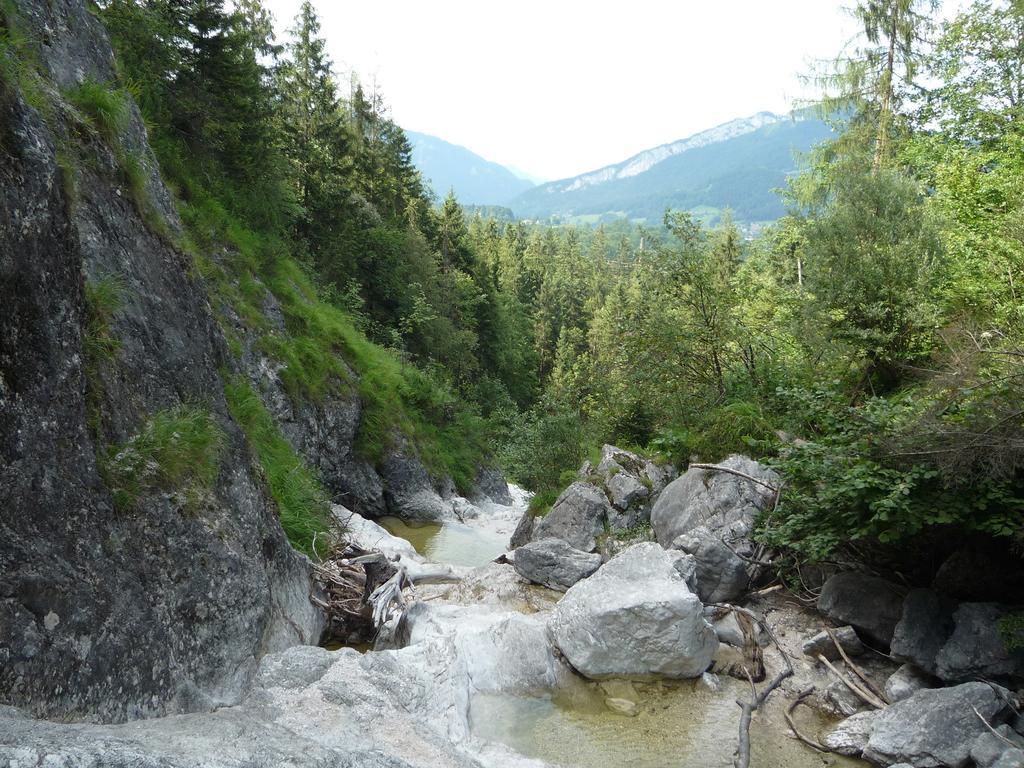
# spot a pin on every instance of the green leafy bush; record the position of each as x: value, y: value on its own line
x: 302, y: 504
x: 548, y: 443
x: 177, y: 450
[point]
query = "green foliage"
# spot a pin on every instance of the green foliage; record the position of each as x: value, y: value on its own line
x: 177, y: 451
x: 104, y: 108
x: 546, y: 444
x: 302, y: 504
x: 855, y: 480
x: 1011, y: 630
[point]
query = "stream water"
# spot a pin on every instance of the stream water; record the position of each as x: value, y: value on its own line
x: 660, y: 724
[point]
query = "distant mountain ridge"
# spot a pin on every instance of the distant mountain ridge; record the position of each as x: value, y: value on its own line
x: 476, y: 181
x: 735, y: 165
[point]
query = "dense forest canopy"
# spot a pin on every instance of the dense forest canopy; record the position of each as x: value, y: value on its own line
x: 870, y: 344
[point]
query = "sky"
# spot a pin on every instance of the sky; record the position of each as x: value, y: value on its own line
x: 555, y: 88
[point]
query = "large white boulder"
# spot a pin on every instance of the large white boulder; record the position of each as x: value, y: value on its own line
x: 635, y: 617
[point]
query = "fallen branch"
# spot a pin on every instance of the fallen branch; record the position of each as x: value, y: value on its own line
x: 801, y: 699
x: 744, y: 475
x: 747, y: 708
x: 993, y: 731
x: 857, y: 670
x: 870, y: 699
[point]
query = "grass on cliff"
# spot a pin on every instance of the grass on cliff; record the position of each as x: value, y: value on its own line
x: 321, y: 347
x: 178, y: 450
x: 302, y: 504
x: 104, y: 109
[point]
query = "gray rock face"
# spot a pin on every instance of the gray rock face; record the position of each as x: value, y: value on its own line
x: 577, y: 517
x: 704, y: 512
x: 822, y: 644
x: 409, y: 490
x: 554, y: 563
x: 851, y: 736
x: 1004, y: 747
x: 635, y: 617
x: 933, y: 728
x: 492, y: 485
x: 906, y: 681
x: 113, y: 614
x: 872, y: 605
x: 955, y: 642
x: 840, y: 700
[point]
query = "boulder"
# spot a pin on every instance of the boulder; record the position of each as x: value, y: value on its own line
x: 409, y: 490
x: 976, y: 648
x: 491, y: 485
x: 523, y: 531
x: 578, y: 517
x: 955, y: 642
x: 906, y: 681
x: 635, y: 617
x: 926, y: 622
x: 934, y: 727
x: 990, y: 748
x: 871, y: 604
x: 851, y: 736
x: 822, y: 645
x: 554, y: 563
x: 721, y: 575
x: 711, y: 515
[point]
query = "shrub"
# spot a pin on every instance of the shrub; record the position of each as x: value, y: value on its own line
x: 177, y: 450
x: 302, y: 504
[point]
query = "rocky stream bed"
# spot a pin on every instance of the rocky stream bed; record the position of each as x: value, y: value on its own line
x: 553, y: 655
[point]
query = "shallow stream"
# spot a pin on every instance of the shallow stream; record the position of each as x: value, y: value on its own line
x: 659, y: 724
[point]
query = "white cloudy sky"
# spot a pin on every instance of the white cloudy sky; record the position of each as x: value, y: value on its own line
x: 558, y: 87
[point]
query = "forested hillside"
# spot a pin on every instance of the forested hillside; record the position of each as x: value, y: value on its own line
x: 868, y: 344
x: 738, y: 166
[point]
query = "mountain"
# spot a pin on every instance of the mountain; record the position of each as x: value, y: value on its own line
x: 735, y: 165
x: 476, y: 181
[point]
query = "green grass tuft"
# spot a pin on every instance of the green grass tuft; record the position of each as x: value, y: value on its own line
x: 178, y: 450
x: 103, y: 108
x: 302, y: 504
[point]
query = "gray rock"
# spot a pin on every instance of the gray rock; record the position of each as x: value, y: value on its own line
x: 721, y: 575
x: 988, y: 749
x: 926, y: 622
x: 871, y: 604
x: 851, y: 736
x: 409, y: 490
x: 934, y: 727
x: 727, y: 628
x: 523, y: 532
x: 554, y: 563
x: 1011, y: 758
x: 108, y: 614
x: 578, y: 517
x: 626, y: 491
x: 310, y: 708
x: 634, y: 617
x: 955, y: 642
x: 703, y: 509
x: 840, y: 700
x: 976, y: 647
x: 822, y: 644
x: 906, y: 681
x: 491, y: 484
